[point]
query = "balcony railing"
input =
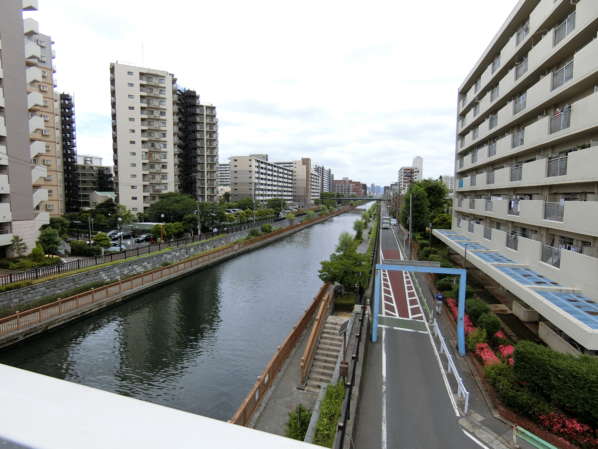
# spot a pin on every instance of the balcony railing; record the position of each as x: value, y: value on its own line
x: 516, y: 172
x: 554, y: 211
x: 551, y: 255
x: 557, y: 166
x: 512, y: 241
x: 470, y: 226
x: 561, y: 119
x: 513, y: 207
x: 488, y: 232
x: 472, y: 203
x: 488, y: 206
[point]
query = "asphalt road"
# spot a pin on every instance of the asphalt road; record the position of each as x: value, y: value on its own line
x: 406, y: 403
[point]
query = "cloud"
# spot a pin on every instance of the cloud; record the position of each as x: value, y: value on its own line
x: 360, y: 88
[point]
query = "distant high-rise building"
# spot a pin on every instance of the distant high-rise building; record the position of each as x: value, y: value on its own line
x: 91, y: 176
x: 348, y: 187
x: 27, y: 128
x: 306, y: 181
x: 69, y: 152
x: 224, y: 175
x: 407, y: 176
x: 326, y: 178
x: 418, y: 164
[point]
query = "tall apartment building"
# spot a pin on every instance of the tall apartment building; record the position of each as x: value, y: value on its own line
x: 418, y: 164
x: 407, y: 176
x: 255, y: 177
x: 224, y: 175
x: 326, y: 178
x: 306, y: 181
x: 526, y: 204
x: 448, y: 181
x: 23, y: 127
x: 197, y: 146
x: 69, y: 152
x: 91, y: 176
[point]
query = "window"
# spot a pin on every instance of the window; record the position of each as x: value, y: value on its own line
x: 517, y: 137
x: 494, y: 93
x: 521, y: 68
x: 519, y: 103
x: 131, y: 119
x: 492, y: 148
x: 133, y: 175
x: 564, y: 28
x: 492, y: 120
x: 131, y: 108
x: 522, y: 32
x: 516, y: 171
x: 130, y: 84
x: 476, y: 109
x: 461, y: 162
x: 130, y: 73
x: 561, y: 119
x: 133, y: 164
x: 478, y: 84
x: 562, y: 74
x: 475, y: 132
x: 496, y: 63
x: 132, y: 142
x: 474, y: 155
x: 461, y: 142
x: 132, y: 153
x: 472, y: 179
x: 490, y: 177
x: 131, y: 96
x: 133, y: 187
x: 132, y: 131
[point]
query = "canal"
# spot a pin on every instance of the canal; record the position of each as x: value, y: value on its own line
x: 199, y: 343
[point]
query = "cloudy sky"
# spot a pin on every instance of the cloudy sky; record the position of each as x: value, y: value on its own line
x: 362, y: 87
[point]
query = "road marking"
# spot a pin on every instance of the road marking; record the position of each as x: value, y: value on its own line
x: 384, y: 326
x: 475, y: 440
x: 384, y: 434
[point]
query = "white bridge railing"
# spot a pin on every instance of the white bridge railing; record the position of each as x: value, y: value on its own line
x: 462, y: 393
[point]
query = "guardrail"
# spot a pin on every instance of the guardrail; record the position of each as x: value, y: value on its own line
x: 38, y: 315
x: 264, y: 382
x: 314, y: 336
x: 462, y: 392
x: 527, y: 436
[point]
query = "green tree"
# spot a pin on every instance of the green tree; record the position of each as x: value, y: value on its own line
x: 49, y: 240
x: 420, y: 208
x: 174, y: 206
x: 246, y: 203
x: 18, y: 246
x: 358, y: 227
x: 346, y: 266
x: 61, y: 224
x: 291, y: 217
x: 211, y: 215
x: 101, y: 239
x: 37, y: 254
x: 437, y: 193
x: 174, y: 229
x: 190, y: 223
x: 328, y: 199
x: 277, y: 204
x: 442, y: 221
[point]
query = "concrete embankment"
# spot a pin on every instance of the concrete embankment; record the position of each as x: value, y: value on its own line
x: 31, y: 322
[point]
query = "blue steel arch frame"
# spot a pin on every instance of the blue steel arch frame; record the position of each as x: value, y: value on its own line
x: 462, y: 273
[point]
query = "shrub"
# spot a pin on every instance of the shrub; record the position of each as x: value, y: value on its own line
x: 298, y: 422
x: 424, y: 253
x: 266, y: 228
x: 490, y: 322
x: 344, y: 302
x: 486, y: 355
x: 330, y: 410
x: 37, y: 253
x: 475, y: 308
x: 444, y: 284
x: 571, y: 429
x: 80, y: 248
x: 474, y: 338
x: 569, y: 382
x: 513, y: 394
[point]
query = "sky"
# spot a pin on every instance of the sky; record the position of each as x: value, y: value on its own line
x: 360, y: 87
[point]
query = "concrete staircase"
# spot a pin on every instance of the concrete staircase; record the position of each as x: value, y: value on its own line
x: 329, y: 348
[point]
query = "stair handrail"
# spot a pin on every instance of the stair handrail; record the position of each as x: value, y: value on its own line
x: 314, y: 337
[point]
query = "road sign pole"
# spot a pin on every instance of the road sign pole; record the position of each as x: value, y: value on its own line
x: 376, y: 310
x: 461, y: 309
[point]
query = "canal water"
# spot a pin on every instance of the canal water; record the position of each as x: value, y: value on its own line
x: 199, y: 343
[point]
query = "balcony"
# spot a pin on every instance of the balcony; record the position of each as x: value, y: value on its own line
x: 512, y: 241
x: 30, y: 5
x: 513, y: 207
x: 488, y: 232
x: 36, y: 123
x: 551, y: 256
x: 39, y: 195
x: 37, y: 148
x: 35, y: 100
x: 5, y: 213
x: 34, y: 74
x: 38, y: 172
x: 32, y: 50
x: 557, y: 166
x: 2, y: 127
x: 30, y: 26
x: 554, y: 211
x: 4, y: 185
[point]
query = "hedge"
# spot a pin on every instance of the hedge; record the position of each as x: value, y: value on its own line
x: 475, y: 308
x: 489, y: 322
x: 569, y: 382
x: 475, y: 337
x: 445, y: 284
x: 80, y: 248
x: 330, y: 411
x: 298, y: 422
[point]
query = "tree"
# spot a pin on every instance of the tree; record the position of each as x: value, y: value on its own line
x: 18, y: 246
x: 346, y: 266
x: 49, y: 240
x: 277, y: 204
x: 61, y: 224
x: 246, y: 203
x: 37, y: 253
x: 226, y: 197
x: 190, y: 222
x: 442, y: 221
x: 174, y: 206
x: 101, y: 239
x: 291, y: 217
x: 328, y: 199
x: 211, y: 215
x: 420, y: 208
x: 437, y: 193
x: 358, y: 227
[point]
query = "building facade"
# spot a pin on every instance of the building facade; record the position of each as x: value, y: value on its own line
x: 224, y: 175
x: 197, y: 147
x: 24, y: 81
x: 69, y: 152
x: 255, y: 177
x: 348, y: 187
x: 449, y: 182
x: 418, y: 164
x: 306, y: 181
x: 143, y: 134
x: 526, y: 158
x: 407, y: 176
x: 91, y: 176
x: 326, y: 178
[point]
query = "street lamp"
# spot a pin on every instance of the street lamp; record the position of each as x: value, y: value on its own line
x: 120, y: 234
x: 198, y: 222
x: 162, y: 227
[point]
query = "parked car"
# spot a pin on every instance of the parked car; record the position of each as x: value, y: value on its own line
x: 115, y: 249
x: 393, y: 221
x: 143, y: 238
x: 121, y: 235
x: 112, y: 233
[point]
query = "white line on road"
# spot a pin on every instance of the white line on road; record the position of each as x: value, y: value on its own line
x: 384, y: 432
x: 402, y: 329
x: 475, y: 440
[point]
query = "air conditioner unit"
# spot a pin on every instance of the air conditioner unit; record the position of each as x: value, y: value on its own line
x: 45, y: 132
x: 43, y: 88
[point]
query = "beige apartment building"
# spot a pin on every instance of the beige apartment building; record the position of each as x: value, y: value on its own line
x: 143, y: 134
x: 26, y: 137
x: 255, y: 177
x: 306, y: 181
x: 526, y: 203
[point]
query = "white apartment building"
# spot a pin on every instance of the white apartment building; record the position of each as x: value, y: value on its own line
x: 224, y: 175
x: 305, y: 179
x: 143, y: 134
x: 255, y: 177
x: 418, y: 164
x: 448, y: 181
x: 407, y: 176
x: 23, y: 126
x: 326, y: 178
x: 526, y: 204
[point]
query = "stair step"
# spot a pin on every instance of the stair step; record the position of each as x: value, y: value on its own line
x: 327, y: 360
x: 327, y: 353
x: 320, y: 378
x: 323, y: 365
x: 321, y: 373
x: 334, y: 335
x: 330, y: 347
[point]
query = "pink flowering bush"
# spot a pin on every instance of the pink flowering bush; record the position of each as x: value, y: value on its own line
x: 570, y: 428
x: 486, y: 355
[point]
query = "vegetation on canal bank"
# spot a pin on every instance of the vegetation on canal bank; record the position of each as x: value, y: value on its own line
x: 330, y: 411
x: 298, y: 423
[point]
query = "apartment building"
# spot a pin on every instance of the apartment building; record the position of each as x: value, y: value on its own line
x: 418, y: 164
x: 326, y: 178
x: 526, y: 204
x: 255, y: 177
x: 91, y: 176
x: 306, y: 181
x: 224, y: 175
x: 448, y: 181
x: 143, y: 134
x: 69, y: 152
x: 23, y: 127
x: 348, y: 188
x: 407, y: 176
x: 196, y: 160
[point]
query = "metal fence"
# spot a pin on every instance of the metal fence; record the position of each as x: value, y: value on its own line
x: 512, y: 241
x: 488, y: 232
x: 554, y: 211
x: 551, y: 255
x: 462, y: 392
x: 51, y: 270
x: 557, y: 166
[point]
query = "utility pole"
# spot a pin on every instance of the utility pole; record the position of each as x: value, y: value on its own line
x: 410, y: 222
